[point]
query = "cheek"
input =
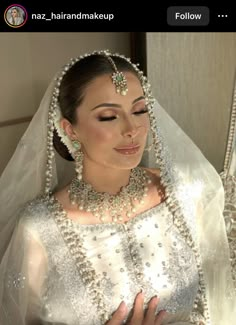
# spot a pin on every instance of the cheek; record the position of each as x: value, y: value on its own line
x: 146, y: 125
x: 99, y: 135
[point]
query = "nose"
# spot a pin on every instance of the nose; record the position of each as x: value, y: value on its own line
x: 130, y: 129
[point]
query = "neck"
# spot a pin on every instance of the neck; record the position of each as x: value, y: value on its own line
x: 102, y: 179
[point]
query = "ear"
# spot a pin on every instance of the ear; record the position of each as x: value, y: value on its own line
x: 69, y: 129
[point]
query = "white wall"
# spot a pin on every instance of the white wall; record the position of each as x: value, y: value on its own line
x: 193, y: 79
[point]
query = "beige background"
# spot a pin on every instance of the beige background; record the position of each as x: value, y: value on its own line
x: 192, y: 75
x: 28, y: 62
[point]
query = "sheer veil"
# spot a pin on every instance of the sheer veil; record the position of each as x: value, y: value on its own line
x: 199, y: 189
x: 229, y: 180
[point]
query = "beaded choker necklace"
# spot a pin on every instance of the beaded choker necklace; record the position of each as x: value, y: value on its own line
x: 100, y: 204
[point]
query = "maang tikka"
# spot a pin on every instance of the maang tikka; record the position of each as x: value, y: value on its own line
x: 118, y: 78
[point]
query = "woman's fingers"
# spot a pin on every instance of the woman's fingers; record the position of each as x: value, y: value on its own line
x: 159, y: 318
x: 138, y: 313
x: 119, y: 315
x: 150, y: 314
x: 137, y: 318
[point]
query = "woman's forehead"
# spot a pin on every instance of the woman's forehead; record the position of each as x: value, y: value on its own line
x: 103, y: 89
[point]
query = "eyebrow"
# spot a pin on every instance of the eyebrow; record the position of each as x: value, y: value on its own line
x: 116, y: 105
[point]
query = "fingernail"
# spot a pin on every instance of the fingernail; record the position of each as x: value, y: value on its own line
x: 122, y: 306
x: 141, y: 293
x: 164, y: 312
x: 155, y: 299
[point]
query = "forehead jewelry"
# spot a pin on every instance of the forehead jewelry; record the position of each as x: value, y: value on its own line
x: 118, y: 78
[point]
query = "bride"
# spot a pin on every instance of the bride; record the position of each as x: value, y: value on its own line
x: 117, y: 215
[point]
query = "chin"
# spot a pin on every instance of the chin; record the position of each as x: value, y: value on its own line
x: 128, y: 163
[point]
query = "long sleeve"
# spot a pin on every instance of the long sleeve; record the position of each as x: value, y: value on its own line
x: 22, y: 273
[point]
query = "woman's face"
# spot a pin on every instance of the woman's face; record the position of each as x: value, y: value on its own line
x: 14, y: 13
x: 113, y: 128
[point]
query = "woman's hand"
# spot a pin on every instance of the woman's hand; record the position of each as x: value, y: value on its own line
x: 138, y: 317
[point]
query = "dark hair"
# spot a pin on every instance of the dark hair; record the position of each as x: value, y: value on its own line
x: 75, y: 82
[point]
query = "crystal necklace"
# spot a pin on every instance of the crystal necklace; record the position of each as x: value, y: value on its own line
x: 100, y: 204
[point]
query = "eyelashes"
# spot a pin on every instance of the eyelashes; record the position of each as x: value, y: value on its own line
x: 113, y: 117
x: 143, y: 111
x: 108, y: 118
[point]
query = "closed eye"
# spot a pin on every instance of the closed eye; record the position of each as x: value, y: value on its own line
x: 111, y: 118
x: 143, y: 111
x: 106, y: 118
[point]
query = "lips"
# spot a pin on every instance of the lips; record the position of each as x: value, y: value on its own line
x: 131, y: 146
x: 128, y: 150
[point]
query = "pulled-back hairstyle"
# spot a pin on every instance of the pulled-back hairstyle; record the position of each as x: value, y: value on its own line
x: 74, y: 83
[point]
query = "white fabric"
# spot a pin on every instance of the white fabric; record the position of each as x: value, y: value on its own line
x: 229, y: 180
x: 200, y: 190
x: 206, y: 186
x: 17, y: 21
x: 56, y: 288
x: 232, y: 167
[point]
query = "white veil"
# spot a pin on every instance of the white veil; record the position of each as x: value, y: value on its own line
x: 229, y: 180
x: 200, y: 190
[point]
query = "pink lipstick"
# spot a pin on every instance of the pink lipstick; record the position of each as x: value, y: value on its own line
x: 128, y: 150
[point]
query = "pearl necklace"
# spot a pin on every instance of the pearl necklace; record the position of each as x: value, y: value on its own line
x: 100, y: 204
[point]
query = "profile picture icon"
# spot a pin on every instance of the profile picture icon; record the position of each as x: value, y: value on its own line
x: 15, y: 16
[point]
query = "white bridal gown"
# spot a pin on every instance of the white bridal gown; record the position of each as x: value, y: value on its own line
x: 52, y: 260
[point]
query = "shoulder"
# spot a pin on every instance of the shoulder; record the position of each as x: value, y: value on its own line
x: 153, y: 171
x: 156, y: 184
x: 34, y: 207
x: 27, y: 236
x: 154, y: 174
x: 63, y: 197
x: 34, y: 213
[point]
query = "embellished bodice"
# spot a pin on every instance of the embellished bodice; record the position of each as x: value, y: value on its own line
x: 116, y: 260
